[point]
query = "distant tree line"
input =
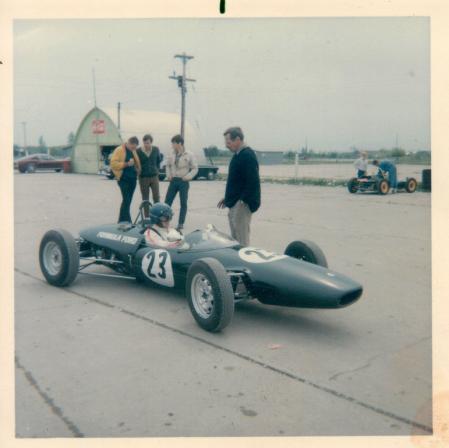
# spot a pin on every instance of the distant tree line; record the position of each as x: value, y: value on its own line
x: 43, y: 148
x: 398, y: 154
x: 212, y: 152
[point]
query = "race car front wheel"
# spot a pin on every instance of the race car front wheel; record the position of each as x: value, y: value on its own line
x: 210, y: 294
x: 307, y: 251
x: 59, y: 257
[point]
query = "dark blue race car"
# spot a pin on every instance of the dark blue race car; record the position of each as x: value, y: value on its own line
x: 212, y: 269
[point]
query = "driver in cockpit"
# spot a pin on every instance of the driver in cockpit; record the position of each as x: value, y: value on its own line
x: 160, y: 233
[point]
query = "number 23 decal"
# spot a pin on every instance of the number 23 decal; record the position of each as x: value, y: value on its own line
x: 254, y: 255
x: 156, y: 265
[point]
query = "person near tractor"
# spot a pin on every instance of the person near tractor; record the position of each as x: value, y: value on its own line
x: 385, y: 166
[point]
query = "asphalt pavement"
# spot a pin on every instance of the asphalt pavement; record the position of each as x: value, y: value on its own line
x: 114, y: 358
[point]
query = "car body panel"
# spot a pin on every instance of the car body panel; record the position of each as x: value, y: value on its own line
x: 39, y: 162
x: 272, y: 278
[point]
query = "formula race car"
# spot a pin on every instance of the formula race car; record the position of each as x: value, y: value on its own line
x: 212, y: 269
x: 379, y: 184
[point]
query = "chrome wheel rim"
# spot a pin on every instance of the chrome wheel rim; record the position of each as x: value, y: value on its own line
x: 202, y: 296
x: 52, y: 258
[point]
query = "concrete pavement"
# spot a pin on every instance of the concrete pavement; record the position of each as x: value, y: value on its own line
x: 113, y: 358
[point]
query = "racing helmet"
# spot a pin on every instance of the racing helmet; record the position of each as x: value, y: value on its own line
x: 160, y: 210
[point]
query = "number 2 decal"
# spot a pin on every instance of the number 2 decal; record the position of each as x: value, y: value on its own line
x: 156, y: 265
x: 254, y: 255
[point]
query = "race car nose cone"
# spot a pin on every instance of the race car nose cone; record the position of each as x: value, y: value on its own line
x: 351, y: 297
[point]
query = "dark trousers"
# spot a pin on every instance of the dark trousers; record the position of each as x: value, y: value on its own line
x: 127, y: 187
x: 145, y: 184
x: 177, y: 184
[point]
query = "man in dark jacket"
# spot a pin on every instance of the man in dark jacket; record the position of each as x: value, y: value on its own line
x: 150, y: 159
x: 242, y: 195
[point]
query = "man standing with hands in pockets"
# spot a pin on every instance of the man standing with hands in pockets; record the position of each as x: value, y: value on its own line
x: 242, y: 195
x: 181, y: 169
x: 150, y: 160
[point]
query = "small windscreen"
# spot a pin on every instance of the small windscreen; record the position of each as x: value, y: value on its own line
x: 207, y: 239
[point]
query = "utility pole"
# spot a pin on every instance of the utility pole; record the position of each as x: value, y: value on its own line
x: 95, y: 93
x: 296, y: 164
x: 97, y: 118
x: 182, y: 85
x: 118, y: 116
x: 25, y: 147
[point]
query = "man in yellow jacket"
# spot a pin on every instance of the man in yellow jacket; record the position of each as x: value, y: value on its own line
x: 125, y: 165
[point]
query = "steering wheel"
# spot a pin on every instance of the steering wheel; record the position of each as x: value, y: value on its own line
x: 140, y: 218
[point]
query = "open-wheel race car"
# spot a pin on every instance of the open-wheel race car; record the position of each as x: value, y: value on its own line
x: 212, y: 269
x: 379, y: 184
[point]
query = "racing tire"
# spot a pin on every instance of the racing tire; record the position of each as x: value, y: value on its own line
x: 58, y: 170
x: 352, y: 185
x: 59, y: 257
x: 383, y: 187
x: 140, y: 279
x: 31, y: 168
x: 210, y: 294
x: 307, y: 251
x: 411, y: 184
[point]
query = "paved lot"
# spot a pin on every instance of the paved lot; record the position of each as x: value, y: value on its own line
x: 113, y: 358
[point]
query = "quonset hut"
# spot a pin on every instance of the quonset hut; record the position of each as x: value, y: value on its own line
x: 98, y: 135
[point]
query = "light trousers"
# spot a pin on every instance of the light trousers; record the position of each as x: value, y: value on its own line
x: 239, y: 221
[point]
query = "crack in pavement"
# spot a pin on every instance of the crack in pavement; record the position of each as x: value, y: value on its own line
x: 247, y: 358
x: 333, y: 377
x: 370, y: 360
x: 48, y: 400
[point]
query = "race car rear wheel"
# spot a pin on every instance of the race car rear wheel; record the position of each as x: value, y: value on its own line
x: 307, y: 251
x: 411, y: 185
x: 383, y: 187
x: 210, y: 294
x: 352, y: 185
x: 59, y: 257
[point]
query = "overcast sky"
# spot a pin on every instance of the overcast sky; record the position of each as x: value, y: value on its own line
x: 335, y: 83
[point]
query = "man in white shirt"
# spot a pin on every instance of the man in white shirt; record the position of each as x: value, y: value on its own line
x: 361, y: 164
x: 181, y: 169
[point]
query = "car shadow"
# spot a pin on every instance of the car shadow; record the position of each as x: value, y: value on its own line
x: 317, y: 323
x: 314, y: 323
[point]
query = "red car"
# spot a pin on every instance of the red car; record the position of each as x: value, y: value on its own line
x: 35, y: 162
